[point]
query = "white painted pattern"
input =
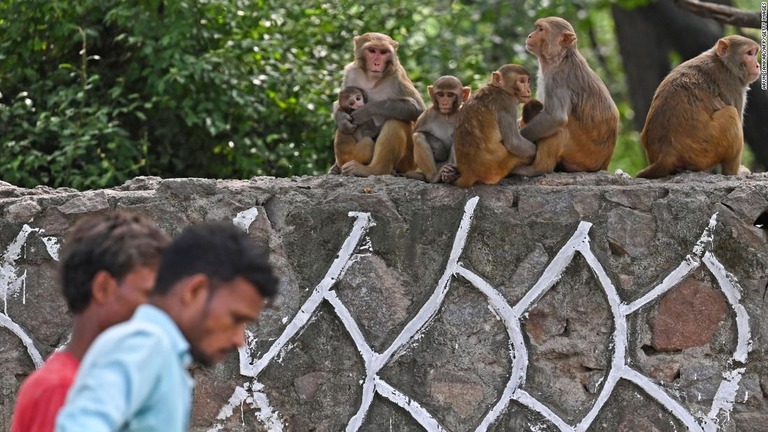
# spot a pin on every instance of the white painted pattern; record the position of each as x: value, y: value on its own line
x: 511, y: 317
x: 11, y: 283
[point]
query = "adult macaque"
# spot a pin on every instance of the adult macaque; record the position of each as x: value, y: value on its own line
x: 695, y: 119
x: 345, y: 145
x: 487, y: 140
x: 530, y: 109
x: 433, y: 132
x: 393, y: 104
x: 578, y: 127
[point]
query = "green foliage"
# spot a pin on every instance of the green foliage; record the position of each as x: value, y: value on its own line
x: 97, y: 91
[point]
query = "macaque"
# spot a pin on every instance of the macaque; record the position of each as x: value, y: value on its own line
x: 530, y: 110
x: 487, y: 141
x: 695, y: 119
x: 393, y: 105
x: 433, y: 132
x: 361, y: 140
x: 578, y: 127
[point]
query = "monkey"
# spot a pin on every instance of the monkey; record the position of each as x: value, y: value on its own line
x: 361, y: 140
x: 578, y: 127
x: 530, y: 109
x: 433, y: 132
x: 695, y: 118
x: 393, y: 105
x: 487, y: 141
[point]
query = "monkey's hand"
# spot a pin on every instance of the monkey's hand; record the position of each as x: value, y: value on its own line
x: 449, y: 173
x: 344, y: 122
x: 362, y: 115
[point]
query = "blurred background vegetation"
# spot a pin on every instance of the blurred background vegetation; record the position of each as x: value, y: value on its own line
x: 94, y: 92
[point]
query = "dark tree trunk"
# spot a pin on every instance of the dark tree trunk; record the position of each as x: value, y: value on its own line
x: 648, y: 34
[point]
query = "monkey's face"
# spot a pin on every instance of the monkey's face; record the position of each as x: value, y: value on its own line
x: 536, y: 39
x: 355, y: 101
x: 446, y: 100
x: 522, y: 86
x: 750, y: 64
x: 377, y: 58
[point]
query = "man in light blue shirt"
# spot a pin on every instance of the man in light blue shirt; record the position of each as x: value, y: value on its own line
x: 212, y: 282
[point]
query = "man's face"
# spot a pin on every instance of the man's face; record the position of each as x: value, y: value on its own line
x: 132, y: 290
x: 221, y: 327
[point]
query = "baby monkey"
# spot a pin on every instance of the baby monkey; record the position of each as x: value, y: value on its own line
x: 350, y: 99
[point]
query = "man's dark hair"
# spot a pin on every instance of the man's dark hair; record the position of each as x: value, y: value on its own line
x: 219, y: 251
x: 117, y: 242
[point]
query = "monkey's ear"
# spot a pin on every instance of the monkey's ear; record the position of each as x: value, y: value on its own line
x: 465, y: 93
x: 395, y: 44
x: 496, y: 77
x: 567, y: 39
x: 722, y: 47
x: 431, y: 91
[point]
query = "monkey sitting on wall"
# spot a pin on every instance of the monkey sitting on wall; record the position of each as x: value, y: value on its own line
x: 695, y: 119
x: 393, y: 103
x: 487, y: 141
x: 578, y: 127
x: 346, y: 145
x: 433, y: 132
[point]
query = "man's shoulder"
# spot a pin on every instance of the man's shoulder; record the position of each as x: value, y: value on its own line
x: 43, y: 393
x: 58, y: 371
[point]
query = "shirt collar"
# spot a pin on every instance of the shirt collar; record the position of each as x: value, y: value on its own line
x: 157, y: 316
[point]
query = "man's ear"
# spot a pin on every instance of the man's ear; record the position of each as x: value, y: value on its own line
x: 103, y: 286
x: 195, y: 289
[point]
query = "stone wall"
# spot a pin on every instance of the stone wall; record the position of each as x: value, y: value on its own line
x: 566, y: 302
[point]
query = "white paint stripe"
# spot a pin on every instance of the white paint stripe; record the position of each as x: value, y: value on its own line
x: 244, y: 219
x: 417, y: 411
x: 732, y: 292
x: 7, y: 322
x: 362, y: 224
x: 707, y: 237
x: 427, y: 313
x: 674, y: 407
x: 10, y: 283
x: 354, y: 330
x: 553, y: 272
x: 52, y: 246
x: 517, y: 351
x: 620, y: 334
x: 681, y: 272
x: 369, y: 390
x: 724, y: 398
x: 526, y: 399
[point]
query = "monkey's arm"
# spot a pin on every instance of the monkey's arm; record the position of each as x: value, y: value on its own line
x: 511, y: 138
x: 343, y: 120
x: 547, y: 122
x: 400, y: 108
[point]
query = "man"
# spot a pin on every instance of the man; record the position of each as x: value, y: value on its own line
x: 211, y: 284
x: 107, y: 269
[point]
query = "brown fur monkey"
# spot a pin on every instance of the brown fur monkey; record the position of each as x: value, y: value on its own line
x: 530, y: 110
x: 578, y: 127
x: 695, y: 119
x: 346, y: 146
x: 433, y: 132
x: 393, y: 104
x: 487, y: 140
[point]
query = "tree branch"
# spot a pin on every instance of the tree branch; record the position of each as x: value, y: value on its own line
x: 721, y: 13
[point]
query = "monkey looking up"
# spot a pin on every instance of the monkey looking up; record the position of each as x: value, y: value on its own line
x: 487, y: 141
x: 696, y: 115
x: 433, y: 132
x: 346, y: 145
x: 578, y: 127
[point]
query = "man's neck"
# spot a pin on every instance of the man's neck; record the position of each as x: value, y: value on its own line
x: 84, y: 331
